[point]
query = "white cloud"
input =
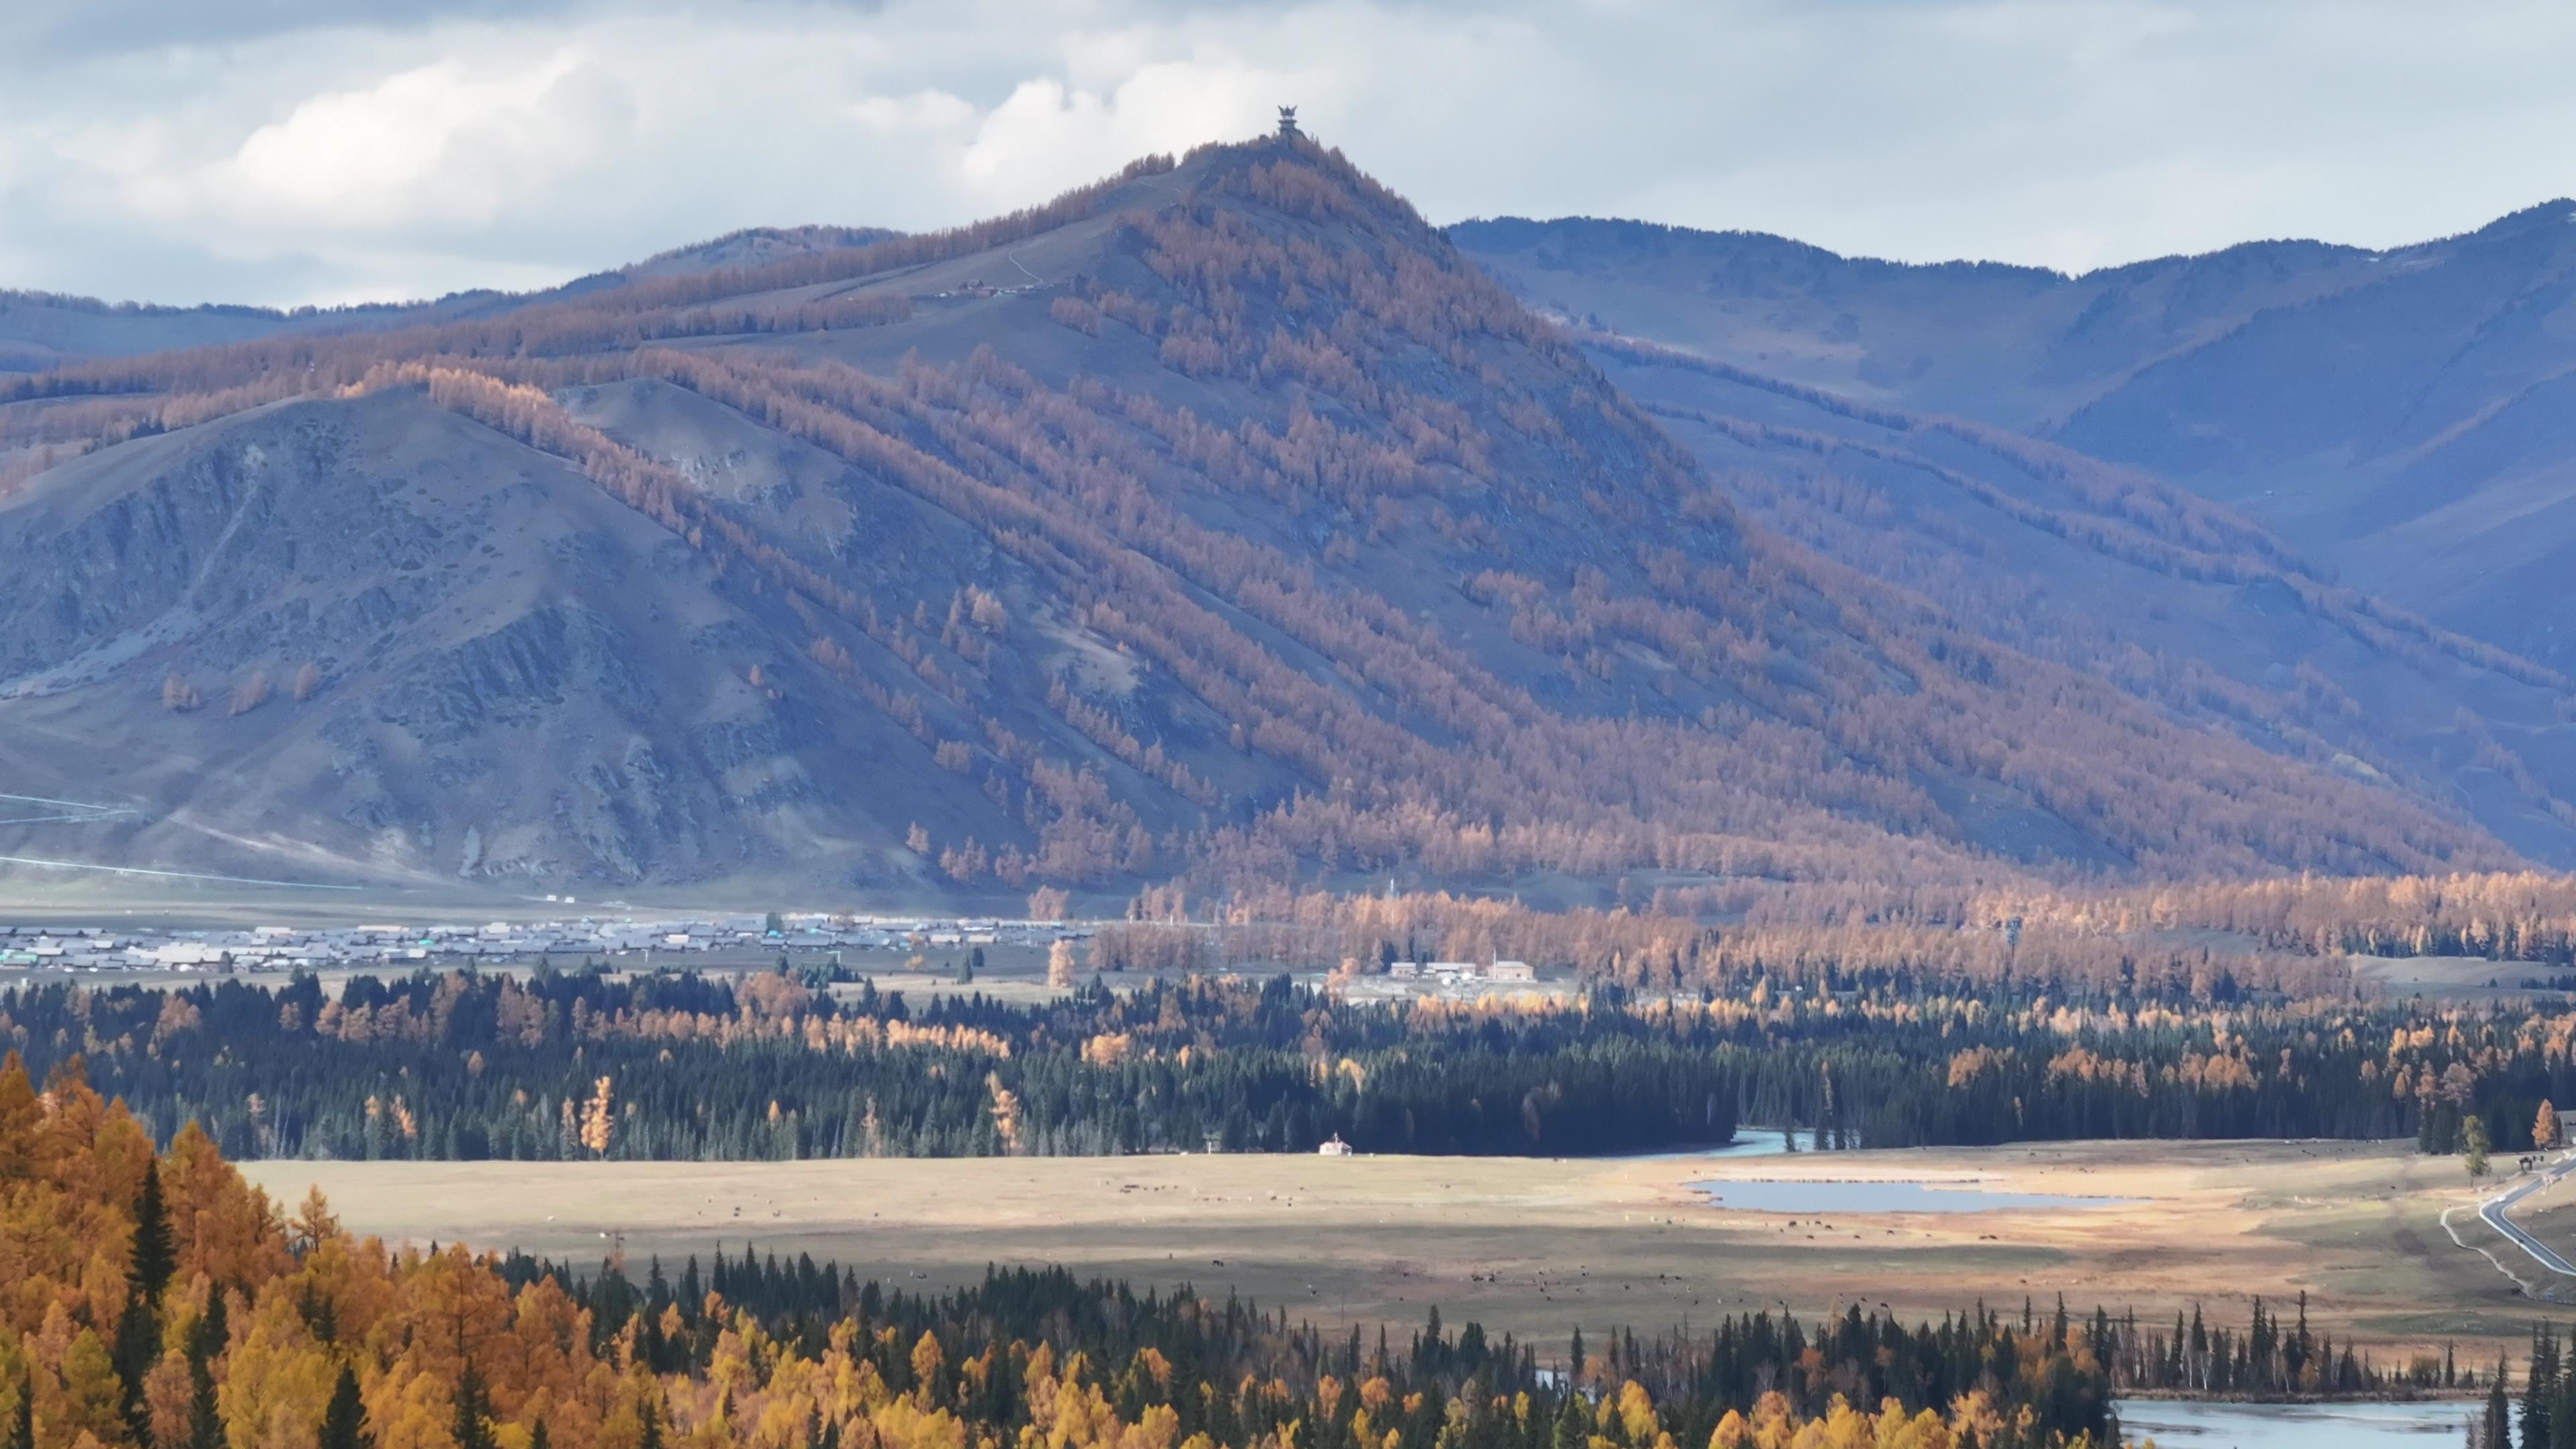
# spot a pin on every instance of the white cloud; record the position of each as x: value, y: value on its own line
x: 444, y: 144
x: 1046, y: 132
x: 414, y: 146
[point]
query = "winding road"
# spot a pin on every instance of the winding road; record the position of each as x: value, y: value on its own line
x: 2495, y: 1212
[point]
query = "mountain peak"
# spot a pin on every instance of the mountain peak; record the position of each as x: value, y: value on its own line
x: 1217, y: 524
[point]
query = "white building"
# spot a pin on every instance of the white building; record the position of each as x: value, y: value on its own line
x: 1335, y: 1147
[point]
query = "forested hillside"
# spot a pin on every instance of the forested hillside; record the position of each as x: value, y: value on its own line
x: 1219, y: 524
x: 159, y: 1302
x: 2303, y: 492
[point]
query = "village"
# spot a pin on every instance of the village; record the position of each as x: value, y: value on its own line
x: 859, y: 944
x: 1457, y: 971
x: 705, y: 939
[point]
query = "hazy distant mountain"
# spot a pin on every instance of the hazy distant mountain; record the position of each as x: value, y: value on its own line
x: 1221, y: 522
x: 41, y: 330
x: 2017, y: 346
x: 2399, y: 416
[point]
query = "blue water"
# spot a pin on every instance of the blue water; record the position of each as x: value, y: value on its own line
x: 1749, y: 1142
x: 2190, y: 1424
x: 1881, y: 1197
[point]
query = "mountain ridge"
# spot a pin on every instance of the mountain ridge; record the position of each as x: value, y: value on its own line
x: 1502, y: 226
x: 2392, y: 413
x: 1215, y: 525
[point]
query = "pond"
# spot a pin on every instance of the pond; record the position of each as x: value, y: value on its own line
x: 2198, y: 1424
x: 1749, y: 1142
x: 1769, y: 1196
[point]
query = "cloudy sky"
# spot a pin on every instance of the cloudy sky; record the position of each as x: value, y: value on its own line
x: 292, y: 151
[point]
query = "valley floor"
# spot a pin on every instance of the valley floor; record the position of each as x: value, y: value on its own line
x: 1540, y: 1246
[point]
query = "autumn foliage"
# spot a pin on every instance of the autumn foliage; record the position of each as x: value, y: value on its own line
x: 1388, y: 579
x: 160, y: 1302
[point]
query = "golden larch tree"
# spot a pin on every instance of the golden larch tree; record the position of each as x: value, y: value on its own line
x: 1006, y: 1112
x: 597, y: 1119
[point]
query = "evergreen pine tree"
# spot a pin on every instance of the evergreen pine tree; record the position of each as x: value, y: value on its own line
x: 138, y: 1345
x: 138, y: 1329
x: 1573, y: 1428
x: 155, y: 1254
x: 343, y: 1421
x: 213, y: 1329
x: 206, y: 1340
x: 2540, y: 1387
x: 22, y: 1422
x: 473, y: 1428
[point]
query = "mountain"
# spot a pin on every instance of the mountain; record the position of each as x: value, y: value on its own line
x: 1220, y: 524
x: 44, y: 330
x: 755, y: 246
x: 2012, y: 345
x: 39, y: 330
x: 2398, y: 415
x: 455, y: 649
x: 2064, y: 464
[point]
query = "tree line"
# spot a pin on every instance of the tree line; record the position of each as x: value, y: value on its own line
x: 583, y: 1063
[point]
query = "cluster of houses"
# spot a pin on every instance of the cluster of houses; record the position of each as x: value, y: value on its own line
x: 1448, y: 971
x: 977, y: 288
x: 100, y: 949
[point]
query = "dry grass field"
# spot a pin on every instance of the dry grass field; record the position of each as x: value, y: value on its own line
x: 1541, y: 1245
x: 2450, y: 978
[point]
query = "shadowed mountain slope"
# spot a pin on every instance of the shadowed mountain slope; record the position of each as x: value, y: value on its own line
x: 2398, y: 416
x: 2185, y: 605
x: 1219, y: 523
x: 2298, y: 610
x: 454, y: 650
